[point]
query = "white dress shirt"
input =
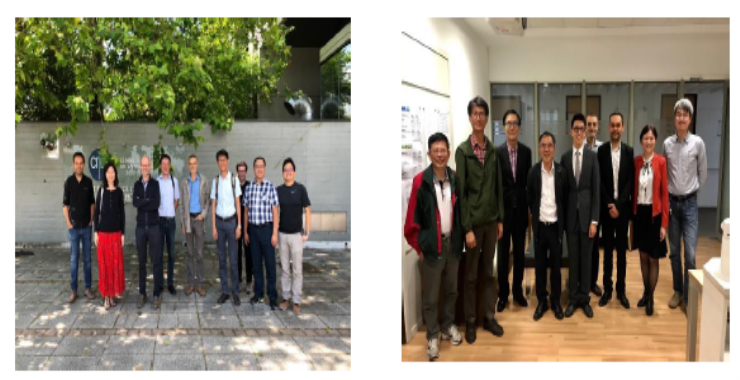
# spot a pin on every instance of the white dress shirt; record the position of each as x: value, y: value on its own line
x: 645, y: 194
x: 616, y: 155
x: 548, y: 207
x: 444, y: 203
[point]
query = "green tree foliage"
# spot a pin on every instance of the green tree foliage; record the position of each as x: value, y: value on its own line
x: 179, y: 73
x: 336, y: 84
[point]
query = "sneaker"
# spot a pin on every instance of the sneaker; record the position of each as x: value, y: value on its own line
x: 89, y: 294
x: 676, y: 300
x: 296, y: 308
x: 72, y: 297
x: 223, y: 298
x: 255, y: 300
x: 273, y: 305
x: 452, y: 335
x: 433, y: 350
x: 283, y: 305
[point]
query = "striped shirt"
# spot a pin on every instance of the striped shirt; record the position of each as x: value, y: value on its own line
x: 479, y: 150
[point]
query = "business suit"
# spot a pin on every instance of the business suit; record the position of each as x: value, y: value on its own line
x: 583, y: 210
x: 623, y: 202
x: 516, y: 219
x: 547, y: 237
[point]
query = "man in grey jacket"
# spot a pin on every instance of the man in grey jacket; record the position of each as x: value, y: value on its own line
x: 195, y: 202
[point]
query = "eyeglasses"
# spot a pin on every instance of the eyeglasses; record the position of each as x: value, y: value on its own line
x: 511, y: 125
x: 288, y: 170
x: 479, y: 115
x: 578, y: 129
x: 438, y: 152
x: 592, y: 124
x: 547, y: 146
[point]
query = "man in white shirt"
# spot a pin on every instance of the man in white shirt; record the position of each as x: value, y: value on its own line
x: 169, y: 192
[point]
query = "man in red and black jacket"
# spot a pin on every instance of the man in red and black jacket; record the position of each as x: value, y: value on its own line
x: 433, y: 228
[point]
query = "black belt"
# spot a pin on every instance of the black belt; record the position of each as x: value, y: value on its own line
x: 261, y: 225
x: 194, y: 215
x: 167, y: 217
x: 681, y: 198
x: 549, y: 223
x: 226, y: 219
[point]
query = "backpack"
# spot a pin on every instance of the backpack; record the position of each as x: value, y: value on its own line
x: 233, y: 185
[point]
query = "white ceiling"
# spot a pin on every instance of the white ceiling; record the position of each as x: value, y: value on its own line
x: 604, y: 26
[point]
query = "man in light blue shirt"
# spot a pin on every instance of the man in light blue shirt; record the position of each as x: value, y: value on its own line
x: 169, y: 192
x: 227, y: 225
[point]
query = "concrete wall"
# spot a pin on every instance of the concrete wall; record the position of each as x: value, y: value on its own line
x: 321, y: 152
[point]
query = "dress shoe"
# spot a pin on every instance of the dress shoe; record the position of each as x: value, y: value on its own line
x: 470, y: 332
x: 89, y: 294
x: 255, y: 300
x: 642, y: 301
x: 501, y: 304
x: 595, y: 289
x: 172, y: 290
x: 493, y: 326
x: 72, y: 297
x: 223, y: 298
x: 557, y: 310
x: 236, y: 300
x: 588, y: 311
x: 273, y: 305
x: 604, y: 300
x: 649, y: 306
x: 521, y: 301
x: 540, y: 310
x: 142, y: 301
x: 570, y: 310
x: 157, y: 302
x: 201, y: 291
x: 623, y: 300
x: 189, y: 290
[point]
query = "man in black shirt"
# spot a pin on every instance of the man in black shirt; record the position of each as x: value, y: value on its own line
x: 79, y: 206
x: 293, y: 198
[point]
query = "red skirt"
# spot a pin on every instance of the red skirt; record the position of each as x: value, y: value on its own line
x: 112, y: 281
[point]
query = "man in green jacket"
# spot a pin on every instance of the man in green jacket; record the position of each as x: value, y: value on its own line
x: 482, y: 214
x: 433, y: 229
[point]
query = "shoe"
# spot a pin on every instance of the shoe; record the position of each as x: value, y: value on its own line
x: 273, y: 305
x: 570, y: 310
x: 255, y: 300
x: 89, y: 294
x: 189, y: 290
x: 470, y: 332
x: 642, y: 301
x: 493, y: 326
x: 236, y: 300
x: 433, y: 350
x: 296, y: 308
x: 72, y: 297
x: 521, y: 301
x: 604, y: 300
x: 595, y: 289
x: 172, y: 290
x: 157, y: 302
x: 649, y: 306
x: 588, y: 310
x: 623, y: 300
x: 557, y: 310
x: 201, y: 291
x: 248, y: 290
x: 452, y: 335
x: 675, y: 300
x: 501, y: 304
x: 283, y: 305
x: 223, y: 298
x: 142, y: 301
x: 540, y: 310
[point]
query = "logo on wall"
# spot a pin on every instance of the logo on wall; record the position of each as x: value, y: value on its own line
x: 95, y: 166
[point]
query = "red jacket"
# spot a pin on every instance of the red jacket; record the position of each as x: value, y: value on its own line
x: 660, y: 186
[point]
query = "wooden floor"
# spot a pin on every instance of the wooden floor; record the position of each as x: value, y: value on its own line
x: 614, y: 333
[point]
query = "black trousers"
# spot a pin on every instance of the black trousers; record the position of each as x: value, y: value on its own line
x: 515, y: 230
x: 548, y: 242
x: 615, y: 234
x: 595, y: 258
x: 246, y: 251
x: 149, y: 236
x: 579, y: 255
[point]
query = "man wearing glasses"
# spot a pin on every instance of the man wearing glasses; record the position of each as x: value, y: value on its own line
x: 582, y: 172
x: 482, y: 214
x: 515, y: 159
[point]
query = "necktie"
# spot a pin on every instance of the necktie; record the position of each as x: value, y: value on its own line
x: 578, y: 167
x: 512, y: 157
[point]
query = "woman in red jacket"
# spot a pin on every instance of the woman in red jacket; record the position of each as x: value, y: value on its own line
x: 650, y: 203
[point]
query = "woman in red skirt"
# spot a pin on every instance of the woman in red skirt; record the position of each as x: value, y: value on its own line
x: 110, y: 223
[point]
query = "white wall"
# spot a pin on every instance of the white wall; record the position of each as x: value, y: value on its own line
x: 468, y: 65
x: 592, y: 56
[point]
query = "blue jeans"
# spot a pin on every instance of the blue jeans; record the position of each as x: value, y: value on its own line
x: 75, y: 235
x: 227, y: 235
x: 167, y: 231
x: 684, y: 222
x: 260, y: 242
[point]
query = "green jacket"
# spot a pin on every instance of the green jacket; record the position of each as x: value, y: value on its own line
x: 480, y: 187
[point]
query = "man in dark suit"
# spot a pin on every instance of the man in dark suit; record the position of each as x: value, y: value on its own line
x: 582, y: 170
x: 617, y: 168
x: 547, y: 198
x: 516, y: 159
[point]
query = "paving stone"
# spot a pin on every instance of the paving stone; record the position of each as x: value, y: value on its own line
x: 179, y: 362
x: 72, y: 363
x: 118, y: 362
x: 178, y: 344
x: 219, y: 321
x: 30, y: 363
x: 95, y: 321
x: 322, y: 345
x: 340, y: 362
x: 260, y: 321
x: 36, y: 345
x: 227, y: 345
x: 337, y: 321
x: 219, y: 362
x: 284, y: 363
x: 147, y: 319
x: 59, y: 317
x: 130, y: 345
x: 83, y: 346
x: 301, y: 321
x: 267, y: 345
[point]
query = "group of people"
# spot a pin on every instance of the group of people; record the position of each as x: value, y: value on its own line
x: 250, y: 219
x: 490, y: 196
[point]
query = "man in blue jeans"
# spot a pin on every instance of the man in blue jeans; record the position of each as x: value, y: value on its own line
x: 686, y: 160
x: 169, y: 192
x: 79, y: 206
x: 261, y: 231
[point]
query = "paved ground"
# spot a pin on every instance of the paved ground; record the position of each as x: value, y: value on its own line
x: 187, y: 333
